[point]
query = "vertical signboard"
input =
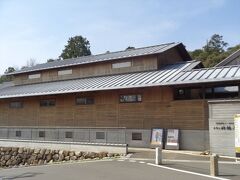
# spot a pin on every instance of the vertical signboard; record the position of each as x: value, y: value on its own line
x: 237, y: 134
x: 172, y: 141
x: 157, y: 137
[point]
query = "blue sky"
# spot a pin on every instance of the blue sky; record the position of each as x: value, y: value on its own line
x: 40, y: 29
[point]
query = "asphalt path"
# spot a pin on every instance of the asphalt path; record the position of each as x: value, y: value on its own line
x: 117, y: 169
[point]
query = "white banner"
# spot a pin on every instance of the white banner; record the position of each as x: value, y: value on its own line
x: 172, y: 137
x: 237, y: 132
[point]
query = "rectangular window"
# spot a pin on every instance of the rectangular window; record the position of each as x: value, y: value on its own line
x: 84, y: 100
x: 182, y: 94
x: 34, y: 76
x: 222, y: 92
x: 47, y: 103
x: 131, y: 98
x: 206, y: 93
x: 68, y: 134
x: 16, y: 104
x: 100, y: 135
x: 64, y: 72
x: 136, y: 136
x: 41, y: 134
x: 18, y: 133
x: 121, y: 65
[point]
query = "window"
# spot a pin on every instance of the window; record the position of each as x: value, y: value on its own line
x: 121, y: 65
x: 182, y: 93
x: 34, y: 76
x: 100, y: 135
x: 16, y: 104
x: 84, y: 100
x: 206, y: 93
x: 64, y: 72
x: 18, y: 133
x: 68, y: 134
x: 222, y: 92
x: 47, y: 103
x: 131, y: 98
x: 41, y: 134
x: 137, y: 136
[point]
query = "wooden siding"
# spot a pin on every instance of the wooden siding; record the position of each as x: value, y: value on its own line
x: 170, y: 56
x: 143, y: 63
x: 88, y: 70
x: 158, y: 109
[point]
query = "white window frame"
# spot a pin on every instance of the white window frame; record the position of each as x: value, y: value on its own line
x: 64, y: 72
x: 34, y: 76
x: 121, y: 65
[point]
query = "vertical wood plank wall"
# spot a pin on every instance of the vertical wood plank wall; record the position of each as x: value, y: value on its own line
x: 143, y: 63
x: 88, y: 70
x: 158, y: 109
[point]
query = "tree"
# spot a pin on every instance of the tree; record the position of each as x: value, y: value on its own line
x: 9, y: 70
x: 31, y: 62
x: 50, y: 60
x: 5, y: 78
x: 233, y: 49
x: 215, y: 44
x: 214, y: 51
x: 76, y: 47
x: 130, y: 48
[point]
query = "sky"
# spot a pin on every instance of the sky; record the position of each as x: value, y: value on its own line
x: 39, y: 30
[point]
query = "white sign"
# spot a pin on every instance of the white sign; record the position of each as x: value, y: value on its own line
x: 122, y: 65
x: 157, y: 137
x: 64, y: 72
x: 34, y: 76
x: 237, y: 133
x: 172, y: 137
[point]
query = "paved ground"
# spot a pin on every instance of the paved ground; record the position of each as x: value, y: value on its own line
x: 139, y: 167
x: 146, y: 153
x: 189, y: 161
x: 105, y: 170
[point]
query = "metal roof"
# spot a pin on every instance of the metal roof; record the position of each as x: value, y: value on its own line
x: 6, y: 84
x: 175, y: 74
x: 229, y: 59
x: 101, y: 57
x: 119, y: 81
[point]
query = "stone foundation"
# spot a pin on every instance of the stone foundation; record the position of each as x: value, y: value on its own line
x: 14, y: 156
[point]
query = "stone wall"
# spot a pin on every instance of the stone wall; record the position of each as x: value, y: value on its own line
x: 14, y: 156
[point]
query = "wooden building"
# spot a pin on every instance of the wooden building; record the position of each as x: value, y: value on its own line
x: 138, y: 89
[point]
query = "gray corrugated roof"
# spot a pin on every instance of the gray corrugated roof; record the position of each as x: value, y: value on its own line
x: 229, y: 59
x: 175, y: 74
x: 100, y: 57
x: 6, y: 84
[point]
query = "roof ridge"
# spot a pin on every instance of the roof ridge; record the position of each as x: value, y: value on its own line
x: 97, y: 58
x: 215, y: 67
x: 94, y: 55
x: 228, y: 59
